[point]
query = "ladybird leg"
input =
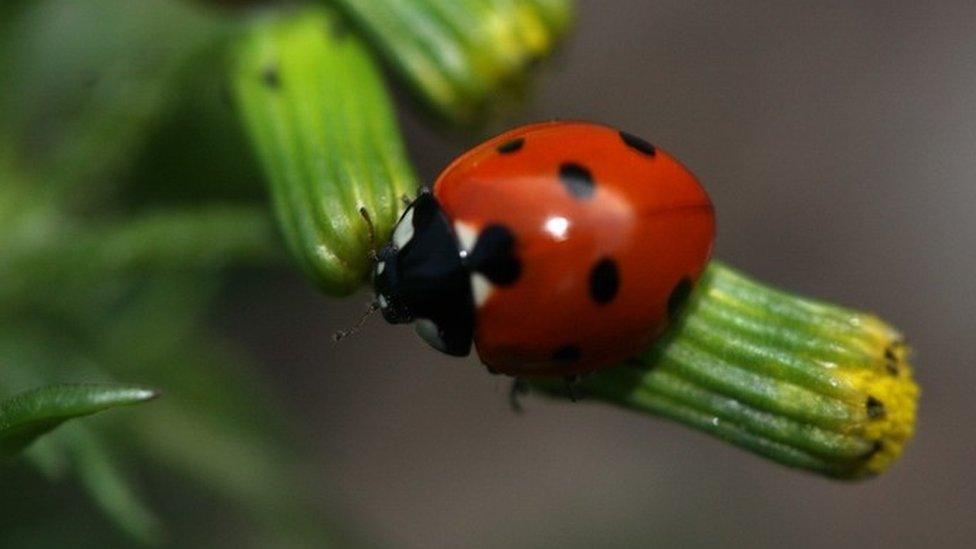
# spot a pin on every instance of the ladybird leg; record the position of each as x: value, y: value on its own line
x: 519, y: 387
x: 573, y: 387
x: 371, y: 229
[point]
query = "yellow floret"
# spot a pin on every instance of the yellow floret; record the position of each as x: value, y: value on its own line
x: 891, y: 399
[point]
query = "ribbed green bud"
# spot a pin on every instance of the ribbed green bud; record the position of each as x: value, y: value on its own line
x: 465, y: 58
x: 804, y: 383
x: 314, y: 105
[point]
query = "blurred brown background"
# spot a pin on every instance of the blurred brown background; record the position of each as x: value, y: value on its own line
x: 838, y: 140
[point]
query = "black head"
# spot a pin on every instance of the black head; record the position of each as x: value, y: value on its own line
x: 420, y: 276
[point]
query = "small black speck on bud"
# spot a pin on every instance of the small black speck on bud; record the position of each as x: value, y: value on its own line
x: 269, y: 75
x: 875, y: 408
x: 889, y: 353
x: 875, y: 448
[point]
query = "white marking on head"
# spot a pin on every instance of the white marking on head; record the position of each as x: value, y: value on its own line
x: 467, y: 236
x: 429, y: 332
x: 481, y: 289
x: 379, y: 267
x: 557, y: 226
x: 382, y: 301
x: 404, y: 230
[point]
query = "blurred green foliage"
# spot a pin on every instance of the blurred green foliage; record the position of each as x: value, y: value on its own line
x: 126, y: 196
x: 107, y: 275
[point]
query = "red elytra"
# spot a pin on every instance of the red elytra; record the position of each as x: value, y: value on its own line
x: 605, y: 229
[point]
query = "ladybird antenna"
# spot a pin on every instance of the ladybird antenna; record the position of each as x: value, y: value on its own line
x: 339, y: 335
x: 371, y: 230
x: 518, y: 388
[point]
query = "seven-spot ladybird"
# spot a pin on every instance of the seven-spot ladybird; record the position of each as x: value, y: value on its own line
x: 556, y: 248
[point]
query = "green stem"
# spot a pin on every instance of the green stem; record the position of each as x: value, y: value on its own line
x: 56, y: 266
x: 805, y: 383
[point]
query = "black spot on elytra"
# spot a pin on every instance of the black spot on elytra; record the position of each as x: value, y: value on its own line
x: 270, y: 77
x: 511, y: 146
x: 875, y: 408
x: 494, y: 255
x: 679, y: 295
x: 638, y: 144
x: 604, y: 281
x: 567, y: 353
x: 577, y: 180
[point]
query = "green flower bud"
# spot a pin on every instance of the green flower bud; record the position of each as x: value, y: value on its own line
x: 807, y: 384
x: 464, y: 58
x: 315, y: 108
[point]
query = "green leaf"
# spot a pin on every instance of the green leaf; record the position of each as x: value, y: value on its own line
x: 31, y: 354
x: 233, y: 443
x: 315, y: 108
x: 29, y: 415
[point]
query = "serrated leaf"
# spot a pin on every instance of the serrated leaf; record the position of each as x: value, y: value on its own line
x: 29, y: 415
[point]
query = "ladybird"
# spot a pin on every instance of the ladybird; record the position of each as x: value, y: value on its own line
x: 555, y: 249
